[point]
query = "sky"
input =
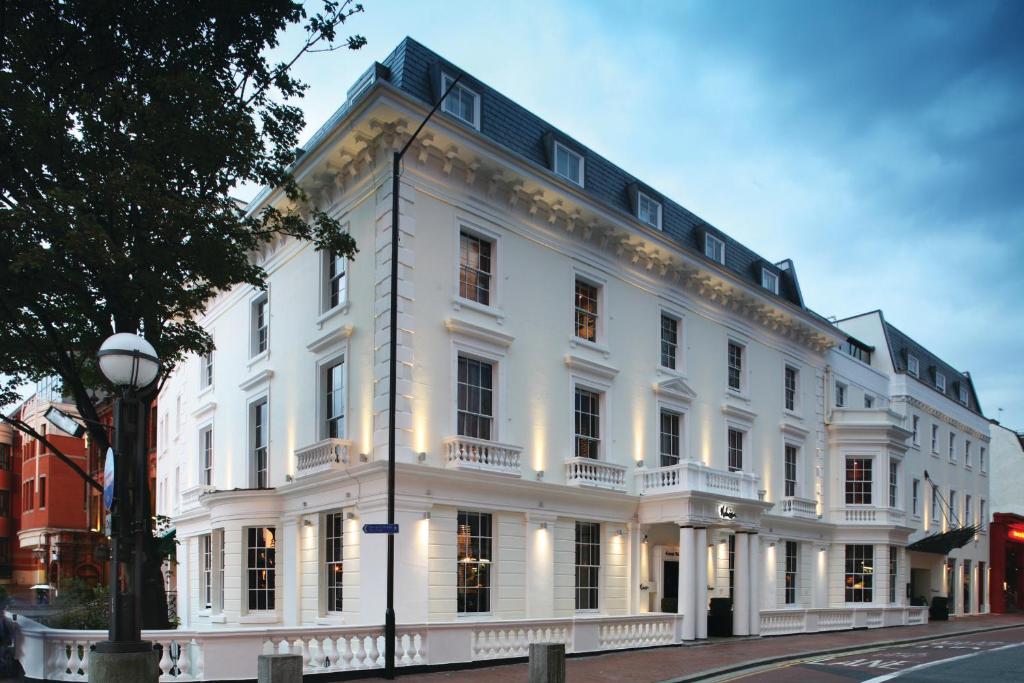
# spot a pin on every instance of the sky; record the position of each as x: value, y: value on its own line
x: 880, y: 145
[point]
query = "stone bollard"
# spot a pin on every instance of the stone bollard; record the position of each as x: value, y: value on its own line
x: 279, y: 669
x: 547, y: 663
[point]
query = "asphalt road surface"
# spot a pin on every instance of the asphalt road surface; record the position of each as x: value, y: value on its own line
x: 992, y: 656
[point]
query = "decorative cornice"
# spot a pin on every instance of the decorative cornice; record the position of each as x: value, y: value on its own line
x: 788, y: 426
x: 486, y: 334
x: 207, y: 407
x: 935, y: 412
x: 255, y: 380
x: 330, y: 338
x: 675, y: 389
x: 734, y: 411
x: 590, y: 367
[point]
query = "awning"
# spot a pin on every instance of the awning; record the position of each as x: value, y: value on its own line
x: 942, y: 543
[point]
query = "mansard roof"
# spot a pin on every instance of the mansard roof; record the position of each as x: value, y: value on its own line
x: 414, y: 69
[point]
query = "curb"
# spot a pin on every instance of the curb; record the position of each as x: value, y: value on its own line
x: 765, y: 661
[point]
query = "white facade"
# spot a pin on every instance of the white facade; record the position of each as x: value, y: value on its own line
x: 772, y: 537
x: 1007, y: 471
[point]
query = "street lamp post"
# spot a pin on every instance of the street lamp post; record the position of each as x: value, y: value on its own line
x: 130, y: 363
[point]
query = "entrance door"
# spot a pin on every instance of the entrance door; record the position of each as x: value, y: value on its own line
x: 967, y: 586
x: 670, y: 591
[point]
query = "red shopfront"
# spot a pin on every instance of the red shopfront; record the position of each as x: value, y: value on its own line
x: 1006, y: 552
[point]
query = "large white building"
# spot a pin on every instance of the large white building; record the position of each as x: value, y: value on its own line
x: 607, y: 410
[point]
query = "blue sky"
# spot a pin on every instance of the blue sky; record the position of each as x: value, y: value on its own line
x: 878, y: 144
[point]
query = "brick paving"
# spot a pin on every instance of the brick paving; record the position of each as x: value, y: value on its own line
x: 680, y: 662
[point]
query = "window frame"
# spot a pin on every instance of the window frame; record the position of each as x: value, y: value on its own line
x: 839, y: 400
x: 586, y: 388
x: 864, y: 554
x: 791, y: 394
x: 940, y: 381
x: 269, y: 566
x: 740, y: 369
x: 962, y: 394
x: 915, y: 423
x: 731, y: 450
x: 462, y: 592
x: 326, y: 393
x: 259, y: 309
x: 329, y: 542
x: 252, y: 406
x: 679, y: 436
x: 952, y: 446
x: 676, y: 344
x: 913, y: 366
x: 570, y: 153
x: 710, y: 250
x: 591, y: 543
x: 327, y: 284
x: 862, y: 488
x: 206, y: 571
x: 491, y: 418
x: 206, y: 454
x: 467, y: 233
x: 894, y: 483
x: 770, y: 281
x: 790, y: 572
x: 788, y: 491
x: 597, y: 314
x: 41, y: 492
x: 642, y: 197
x: 915, y: 497
x: 206, y: 370
x: 935, y: 439
x: 446, y: 80
x: 894, y: 553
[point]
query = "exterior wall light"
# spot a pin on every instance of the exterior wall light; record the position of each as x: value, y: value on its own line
x: 422, y: 457
x: 540, y: 475
x: 307, y: 522
x: 618, y: 532
x: 350, y: 515
x: 543, y: 525
x: 426, y: 515
x: 640, y: 462
x: 364, y: 457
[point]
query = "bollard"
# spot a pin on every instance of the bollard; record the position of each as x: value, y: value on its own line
x: 279, y: 669
x: 547, y: 663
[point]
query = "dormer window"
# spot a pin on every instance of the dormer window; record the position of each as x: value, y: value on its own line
x: 913, y: 366
x: 963, y: 393
x: 770, y: 281
x: 714, y: 248
x: 462, y: 103
x: 568, y: 164
x: 940, y: 382
x: 648, y: 210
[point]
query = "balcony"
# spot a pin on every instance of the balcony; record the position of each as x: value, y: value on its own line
x: 466, y: 453
x: 801, y: 508
x: 869, y: 515
x: 692, y: 475
x: 590, y: 473
x: 323, y: 456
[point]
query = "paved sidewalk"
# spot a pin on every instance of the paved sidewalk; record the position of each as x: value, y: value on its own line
x: 686, y: 661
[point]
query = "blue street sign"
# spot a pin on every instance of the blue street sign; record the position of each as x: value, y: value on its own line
x: 108, y: 479
x: 380, y: 528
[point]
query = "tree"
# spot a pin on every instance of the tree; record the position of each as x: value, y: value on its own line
x: 123, y: 129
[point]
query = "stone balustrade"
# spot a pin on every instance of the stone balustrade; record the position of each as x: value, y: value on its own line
x: 595, y: 474
x: 692, y: 475
x: 792, y: 506
x: 323, y: 456
x: 466, y: 453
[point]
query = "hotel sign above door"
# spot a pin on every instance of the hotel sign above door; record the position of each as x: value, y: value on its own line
x: 726, y: 512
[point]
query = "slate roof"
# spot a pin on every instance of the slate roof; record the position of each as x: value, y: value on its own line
x: 900, y: 345
x: 511, y: 126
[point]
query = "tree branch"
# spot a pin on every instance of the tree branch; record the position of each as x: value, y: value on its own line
x: 23, y: 426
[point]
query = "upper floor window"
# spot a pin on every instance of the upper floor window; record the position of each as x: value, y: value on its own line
x: 790, y: 470
x: 475, y: 268
x: 858, y: 481
x: 475, y: 398
x: 462, y: 103
x: 840, y: 395
x: 790, y: 384
x: 916, y: 422
x: 5, y: 503
x: 953, y: 516
x: 981, y: 458
x: 335, y: 282
x: 982, y: 518
x: 869, y: 401
x: 333, y: 560
x: 473, y: 557
x: 260, y: 325
x: 586, y: 310
x: 894, y: 482
x: 258, y: 413
x: 568, y: 164
x: 935, y: 504
x: 735, y: 450
x: 714, y: 248
x: 334, y: 399
x: 935, y: 439
x: 669, y: 341
x: 855, y: 349
x: 5, y: 457
x: 963, y: 393
x: 913, y: 365
x: 206, y: 370
x: 588, y: 565
x: 587, y: 423
x: 770, y: 281
x: 967, y: 452
x: 648, y: 210
x: 261, y: 568
x: 28, y: 494
x: 42, y: 492
x: 206, y: 443
x: 670, y: 432
x: 940, y: 382
x: 968, y: 519
x: 735, y: 375
x: 915, y: 497
x: 952, y: 447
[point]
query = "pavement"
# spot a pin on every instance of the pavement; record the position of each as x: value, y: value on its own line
x: 730, y: 658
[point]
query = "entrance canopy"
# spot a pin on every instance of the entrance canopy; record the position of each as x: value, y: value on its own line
x: 944, y: 542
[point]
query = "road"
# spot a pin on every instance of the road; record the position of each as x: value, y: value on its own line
x: 994, y: 656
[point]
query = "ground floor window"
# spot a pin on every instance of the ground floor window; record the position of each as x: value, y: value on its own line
x: 333, y: 559
x: 207, y: 548
x: 893, y: 571
x: 732, y: 562
x: 860, y: 561
x: 588, y: 564
x: 791, y: 568
x: 474, y: 562
x: 982, y: 584
x: 967, y: 586
x: 261, y: 567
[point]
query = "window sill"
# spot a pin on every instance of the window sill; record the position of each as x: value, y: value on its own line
x: 205, y: 613
x: 340, y: 309
x: 259, y: 618
x: 741, y: 394
x: 575, y: 341
x: 796, y: 415
x: 475, y: 616
x: 330, y: 620
x: 218, y: 618
x: 204, y: 391
x: 673, y: 373
x: 261, y: 356
x: 458, y: 303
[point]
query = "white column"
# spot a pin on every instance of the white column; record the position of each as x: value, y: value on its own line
x: 633, y: 568
x: 687, y: 594
x: 741, y: 586
x: 755, y: 584
x: 700, y: 559
x: 540, y: 565
x: 820, y: 581
x: 288, y: 562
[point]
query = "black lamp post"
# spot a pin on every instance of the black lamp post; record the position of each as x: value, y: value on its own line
x: 130, y: 363
x: 396, y: 184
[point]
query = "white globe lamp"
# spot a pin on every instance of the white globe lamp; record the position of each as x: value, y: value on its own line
x: 128, y: 361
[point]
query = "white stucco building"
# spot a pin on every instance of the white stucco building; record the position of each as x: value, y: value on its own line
x: 608, y: 409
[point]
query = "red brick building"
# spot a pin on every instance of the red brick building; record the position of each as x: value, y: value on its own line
x: 1006, y: 548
